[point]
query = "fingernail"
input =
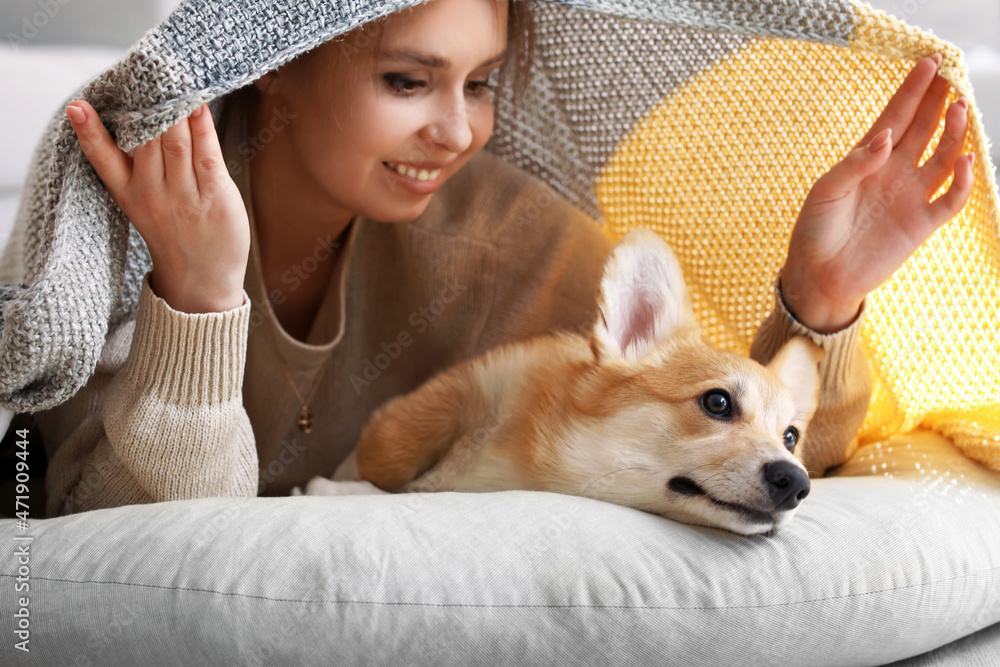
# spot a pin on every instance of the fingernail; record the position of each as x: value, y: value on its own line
x: 880, y: 140
x: 963, y: 102
x: 937, y: 58
x: 76, y: 115
x: 972, y: 159
x: 197, y: 112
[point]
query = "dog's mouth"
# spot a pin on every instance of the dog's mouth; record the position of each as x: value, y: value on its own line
x: 686, y: 486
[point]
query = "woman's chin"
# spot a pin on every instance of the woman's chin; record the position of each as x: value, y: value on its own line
x: 397, y: 213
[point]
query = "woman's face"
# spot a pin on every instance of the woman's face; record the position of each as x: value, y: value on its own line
x: 427, y: 109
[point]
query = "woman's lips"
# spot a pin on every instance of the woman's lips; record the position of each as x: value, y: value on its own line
x: 416, y: 173
x: 413, y: 183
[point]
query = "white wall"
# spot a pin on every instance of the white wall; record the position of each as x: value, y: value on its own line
x: 164, y: 7
x: 974, y: 27
x: 115, y: 23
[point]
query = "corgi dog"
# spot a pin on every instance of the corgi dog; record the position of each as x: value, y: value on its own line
x: 642, y: 413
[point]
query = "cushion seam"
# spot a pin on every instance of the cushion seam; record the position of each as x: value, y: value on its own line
x: 500, y: 606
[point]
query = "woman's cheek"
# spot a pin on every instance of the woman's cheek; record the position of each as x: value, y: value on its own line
x: 484, y: 125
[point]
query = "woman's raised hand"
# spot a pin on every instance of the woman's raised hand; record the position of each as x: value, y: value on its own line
x: 864, y: 218
x: 177, y: 192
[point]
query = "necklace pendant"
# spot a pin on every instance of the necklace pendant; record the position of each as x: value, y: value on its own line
x: 305, y: 420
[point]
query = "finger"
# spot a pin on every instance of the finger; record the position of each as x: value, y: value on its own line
x: 148, y: 162
x: 926, y: 121
x: 849, y: 172
x: 899, y: 112
x: 939, y: 167
x: 112, y: 164
x: 947, y: 206
x: 175, y: 143
x: 209, y: 164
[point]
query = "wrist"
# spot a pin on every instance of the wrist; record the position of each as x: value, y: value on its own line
x: 811, y: 308
x: 191, y: 295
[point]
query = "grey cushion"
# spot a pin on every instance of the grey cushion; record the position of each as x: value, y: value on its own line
x: 873, y: 569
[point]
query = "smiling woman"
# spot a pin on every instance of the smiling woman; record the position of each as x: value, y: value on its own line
x: 335, y: 150
x: 421, y: 107
x: 422, y: 104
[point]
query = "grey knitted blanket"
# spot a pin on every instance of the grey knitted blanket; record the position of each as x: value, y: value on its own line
x: 602, y: 68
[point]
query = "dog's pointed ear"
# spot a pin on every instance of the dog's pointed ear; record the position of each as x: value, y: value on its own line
x: 643, y: 298
x: 797, y: 366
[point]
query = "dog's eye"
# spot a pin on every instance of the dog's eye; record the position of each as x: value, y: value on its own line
x: 717, y: 403
x: 791, y: 438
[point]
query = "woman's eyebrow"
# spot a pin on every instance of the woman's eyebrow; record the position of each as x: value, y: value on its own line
x: 431, y: 60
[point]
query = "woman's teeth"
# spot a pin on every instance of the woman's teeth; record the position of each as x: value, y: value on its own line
x: 421, y: 175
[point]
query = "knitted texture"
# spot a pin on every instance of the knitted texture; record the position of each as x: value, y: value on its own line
x: 705, y: 121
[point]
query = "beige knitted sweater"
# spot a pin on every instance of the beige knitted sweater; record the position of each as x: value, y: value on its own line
x: 191, y: 405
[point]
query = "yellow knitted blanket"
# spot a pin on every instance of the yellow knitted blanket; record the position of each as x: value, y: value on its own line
x: 721, y: 166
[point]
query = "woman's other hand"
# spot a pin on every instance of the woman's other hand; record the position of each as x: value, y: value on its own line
x: 177, y: 192
x: 864, y: 218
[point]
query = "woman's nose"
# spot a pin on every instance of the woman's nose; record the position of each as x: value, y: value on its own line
x: 452, y: 130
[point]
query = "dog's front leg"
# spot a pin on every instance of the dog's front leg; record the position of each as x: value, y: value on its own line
x: 321, y: 486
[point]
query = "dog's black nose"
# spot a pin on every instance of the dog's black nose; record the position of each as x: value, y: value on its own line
x: 787, y: 484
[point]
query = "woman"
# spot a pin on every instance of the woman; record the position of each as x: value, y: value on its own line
x: 350, y: 308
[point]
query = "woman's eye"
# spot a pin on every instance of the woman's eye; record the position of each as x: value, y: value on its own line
x: 402, y: 84
x: 482, y: 87
x: 791, y: 438
x: 717, y: 403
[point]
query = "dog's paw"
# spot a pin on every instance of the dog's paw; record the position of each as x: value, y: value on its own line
x: 321, y: 486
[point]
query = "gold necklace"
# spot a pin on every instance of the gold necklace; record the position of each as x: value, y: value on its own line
x: 305, y: 419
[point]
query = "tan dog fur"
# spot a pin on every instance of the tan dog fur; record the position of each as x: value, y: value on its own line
x: 614, y: 416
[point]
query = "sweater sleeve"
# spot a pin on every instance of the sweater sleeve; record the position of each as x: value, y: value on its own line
x: 845, y: 385
x: 165, y: 422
